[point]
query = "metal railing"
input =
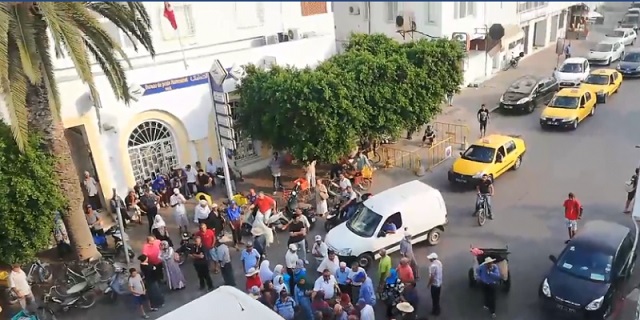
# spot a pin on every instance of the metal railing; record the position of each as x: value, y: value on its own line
x: 438, y: 153
x: 393, y: 157
x: 456, y: 134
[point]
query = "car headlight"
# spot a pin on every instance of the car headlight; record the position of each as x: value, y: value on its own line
x: 344, y: 252
x: 618, y: 67
x: 523, y: 100
x: 595, y: 304
x: 478, y: 175
x: 545, y: 288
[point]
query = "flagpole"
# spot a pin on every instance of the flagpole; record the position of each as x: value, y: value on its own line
x: 184, y: 57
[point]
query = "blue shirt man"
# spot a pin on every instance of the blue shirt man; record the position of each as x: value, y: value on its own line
x: 342, y: 274
x: 285, y: 306
x: 488, y: 273
x: 367, y: 291
x: 158, y: 184
x: 234, y: 212
x: 250, y: 258
x: 389, y: 227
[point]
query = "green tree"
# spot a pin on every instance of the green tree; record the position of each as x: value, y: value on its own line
x: 377, y: 87
x: 30, y: 197
x: 29, y: 88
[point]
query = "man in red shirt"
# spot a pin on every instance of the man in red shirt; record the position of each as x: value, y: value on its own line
x: 208, y: 237
x: 265, y: 204
x: 573, y: 213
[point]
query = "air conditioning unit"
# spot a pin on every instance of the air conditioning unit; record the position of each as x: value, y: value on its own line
x: 294, y: 34
x: 273, y: 39
x: 406, y: 21
x: 354, y: 10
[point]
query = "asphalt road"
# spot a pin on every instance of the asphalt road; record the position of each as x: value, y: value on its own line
x: 593, y: 162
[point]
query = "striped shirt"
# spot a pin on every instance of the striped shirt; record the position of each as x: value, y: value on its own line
x: 286, y: 308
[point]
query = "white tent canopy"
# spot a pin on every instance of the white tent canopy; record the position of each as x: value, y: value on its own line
x: 224, y: 303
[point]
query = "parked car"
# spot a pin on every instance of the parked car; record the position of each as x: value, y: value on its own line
x: 527, y: 93
x: 587, y: 280
x: 572, y: 71
x: 625, y: 35
x: 568, y: 108
x: 630, y: 20
x: 604, y: 82
x: 605, y: 52
x: 629, y: 65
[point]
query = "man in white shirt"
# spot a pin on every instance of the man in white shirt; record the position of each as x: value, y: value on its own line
x: 91, y: 186
x: 291, y: 257
x: 311, y: 173
x: 211, y: 168
x: 367, y: 312
x: 435, y: 282
x: 177, y: 202
x: 201, y: 212
x: 20, y: 287
x: 319, y: 250
x: 327, y: 284
x: 331, y: 262
x: 192, y: 178
x: 344, y: 182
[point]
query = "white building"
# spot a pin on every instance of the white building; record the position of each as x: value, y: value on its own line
x: 174, y: 121
x: 528, y: 26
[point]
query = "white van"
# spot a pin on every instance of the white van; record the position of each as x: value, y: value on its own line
x: 414, y: 206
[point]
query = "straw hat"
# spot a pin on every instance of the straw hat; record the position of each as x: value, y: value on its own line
x: 405, y: 307
x: 489, y: 260
x: 252, y: 272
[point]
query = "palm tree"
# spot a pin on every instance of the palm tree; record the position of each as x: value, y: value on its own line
x: 28, y: 84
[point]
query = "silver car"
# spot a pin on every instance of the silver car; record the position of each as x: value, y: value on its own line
x: 605, y: 52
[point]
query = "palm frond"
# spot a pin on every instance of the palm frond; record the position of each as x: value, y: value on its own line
x: 21, y: 29
x: 4, y: 41
x: 132, y: 18
x: 15, y: 92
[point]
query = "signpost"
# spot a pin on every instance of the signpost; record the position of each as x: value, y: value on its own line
x: 218, y: 74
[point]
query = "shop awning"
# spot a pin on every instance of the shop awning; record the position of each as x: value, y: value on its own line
x: 512, y: 33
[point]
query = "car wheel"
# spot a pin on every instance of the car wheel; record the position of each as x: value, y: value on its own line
x: 593, y: 110
x: 365, y: 260
x: 434, y: 237
x: 506, y: 285
x: 574, y: 125
x: 472, y: 278
x: 609, y: 61
x: 518, y: 163
x: 532, y: 107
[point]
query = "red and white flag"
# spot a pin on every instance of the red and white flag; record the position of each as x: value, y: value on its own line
x: 170, y: 15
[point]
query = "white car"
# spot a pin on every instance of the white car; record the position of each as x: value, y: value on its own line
x: 633, y: 11
x: 605, y: 52
x: 625, y: 35
x: 572, y: 71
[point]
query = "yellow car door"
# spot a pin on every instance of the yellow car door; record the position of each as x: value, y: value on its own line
x: 590, y: 99
x: 502, y: 161
x: 617, y: 77
x: 583, y: 108
x: 611, y: 87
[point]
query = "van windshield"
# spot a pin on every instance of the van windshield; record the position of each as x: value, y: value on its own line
x: 364, y: 222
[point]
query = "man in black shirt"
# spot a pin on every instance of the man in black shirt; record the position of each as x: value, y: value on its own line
x: 198, y: 254
x: 483, y: 119
x: 485, y: 189
x: 149, y: 204
x: 297, y: 233
x: 632, y: 194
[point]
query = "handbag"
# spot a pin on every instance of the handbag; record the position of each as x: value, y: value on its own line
x: 628, y: 186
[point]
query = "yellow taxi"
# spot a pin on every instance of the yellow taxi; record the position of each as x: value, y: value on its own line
x: 604, y: 82
x: 568, y: 108
x: 492, y: 155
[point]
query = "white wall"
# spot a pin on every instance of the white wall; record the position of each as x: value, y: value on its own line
x: 221, y: 24
x: 191, y: 105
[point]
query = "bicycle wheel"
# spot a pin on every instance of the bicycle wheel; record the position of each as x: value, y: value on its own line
x: 365, y: 184
x: 375, y: 157
x: 87, y: 300
x: 482, y: 217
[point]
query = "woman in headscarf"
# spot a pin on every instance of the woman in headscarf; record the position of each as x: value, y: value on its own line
x: 392, y: 291
x: 300, y: 271
x: 265, y: 272
x: 159, y: 230
x: 302, y: 296
x: 173, y: 274
x: 322, y: 194
x: 201, y: 212
x: 278, y: 278
x: 260, y: 223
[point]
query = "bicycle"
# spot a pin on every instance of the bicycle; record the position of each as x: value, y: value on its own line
x: 482, y: 210
x: 93, y: 271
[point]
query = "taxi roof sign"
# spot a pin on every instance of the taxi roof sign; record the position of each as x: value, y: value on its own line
x: 486, y: 141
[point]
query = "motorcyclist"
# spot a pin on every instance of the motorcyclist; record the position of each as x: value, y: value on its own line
x: 485, y: 189
x: 344, y: 182
x: 349, y: 204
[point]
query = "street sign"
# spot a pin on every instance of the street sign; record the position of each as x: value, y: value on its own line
x: 225, y: 121
x: 229, y: 144
x: 223, y: 109
x: 226, y: 133
x: 448, y: 151
x: 218, y: 72
x: 220, y: 97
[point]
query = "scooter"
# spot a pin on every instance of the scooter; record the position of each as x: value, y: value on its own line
x: 185, y: 247
x: 337, y: 216
x: 119, y: 246
x: 79, y: 296
x: 293, y: 204
x: 513, y: 63
x: 118, y: 283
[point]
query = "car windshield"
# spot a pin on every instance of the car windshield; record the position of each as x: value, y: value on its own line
x: 478, y: 153
x: 571, y: 68
x: 586, y: 264
x: 564, y: 102
x: 616, y: 34
x: 603, y: 47
x: 632, y: 57
x: 364, y: 222
x: 631, y: 19
x: 597, y: 79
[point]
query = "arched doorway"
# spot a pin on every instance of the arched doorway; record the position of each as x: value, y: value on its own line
x: 151, y: 148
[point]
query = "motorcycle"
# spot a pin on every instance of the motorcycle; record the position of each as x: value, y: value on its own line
x: 293, y: 204
x: 185, y: 247
x: 119, y: 246
x: 118, y: 283
x: 337, y: 216
x: 81, y: 296
x: 513, y: 63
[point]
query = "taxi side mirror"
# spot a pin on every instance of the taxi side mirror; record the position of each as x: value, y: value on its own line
x: 498, y: 160
x: 553, y: 258
x: 461, y: 153
x: 582, y: 106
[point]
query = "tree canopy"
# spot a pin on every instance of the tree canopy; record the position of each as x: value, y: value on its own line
x: 29, y: 198
x: 377, y: 87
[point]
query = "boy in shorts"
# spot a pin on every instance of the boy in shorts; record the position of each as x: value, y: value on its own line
x: 139, y: 292
x: 572, y: 213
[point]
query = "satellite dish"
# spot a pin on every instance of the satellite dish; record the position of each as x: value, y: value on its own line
x: 496, y: 31
x: 399, y: 21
